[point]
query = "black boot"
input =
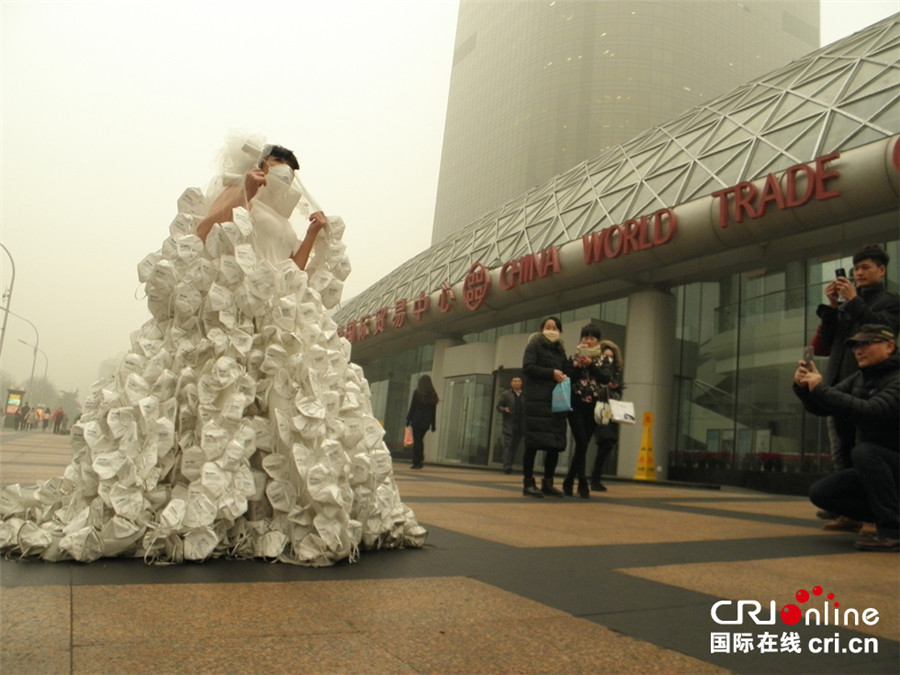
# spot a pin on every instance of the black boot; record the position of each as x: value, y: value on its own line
x: 583, y: 490
x: 530, y: 490
x: 548, y: 489
x: 567, y: 486
x: 596, y: 485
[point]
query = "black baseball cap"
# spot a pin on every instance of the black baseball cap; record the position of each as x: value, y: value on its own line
x: 872, y: 332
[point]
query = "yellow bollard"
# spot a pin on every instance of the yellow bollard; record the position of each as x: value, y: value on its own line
x: 646, y: 466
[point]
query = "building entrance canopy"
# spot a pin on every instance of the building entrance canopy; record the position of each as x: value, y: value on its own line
x: 802, y: 161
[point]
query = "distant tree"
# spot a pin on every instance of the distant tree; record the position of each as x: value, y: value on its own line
x: 71, y: 403
x: 7, y: 383
x: 43, y: 393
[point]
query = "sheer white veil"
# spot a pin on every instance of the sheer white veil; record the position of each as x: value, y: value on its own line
x: 242, y: 152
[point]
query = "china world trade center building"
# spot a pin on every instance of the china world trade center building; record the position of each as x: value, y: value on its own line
x: 701, y: 243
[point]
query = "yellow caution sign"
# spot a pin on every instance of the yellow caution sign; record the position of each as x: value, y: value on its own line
x: 646, y: 466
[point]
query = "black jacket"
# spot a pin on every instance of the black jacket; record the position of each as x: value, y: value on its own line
x: 420, y: 415
x: 511, y: 420
x: 873, y: 304
x: 544, y: 430
x: 869, y: 399
x: 589, y: 382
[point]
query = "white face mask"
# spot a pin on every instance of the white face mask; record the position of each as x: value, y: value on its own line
x: 282, y: 172
x: 550, y: 334
x: 279, y: 191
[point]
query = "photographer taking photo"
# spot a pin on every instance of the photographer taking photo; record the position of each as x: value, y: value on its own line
x: 868, y: 400
x: 850, y: 305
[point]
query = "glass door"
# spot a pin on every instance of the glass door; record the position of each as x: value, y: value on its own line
x: 465, y: 424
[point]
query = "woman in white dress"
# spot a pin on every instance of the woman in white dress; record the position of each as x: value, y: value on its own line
x: 236, y: 425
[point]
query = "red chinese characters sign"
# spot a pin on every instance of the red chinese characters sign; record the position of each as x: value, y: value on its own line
x: 476, y: 286
x: 792, y: 188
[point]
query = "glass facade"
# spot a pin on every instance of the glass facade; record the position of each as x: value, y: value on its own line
x: 741, y: 296
x: 737, y: 421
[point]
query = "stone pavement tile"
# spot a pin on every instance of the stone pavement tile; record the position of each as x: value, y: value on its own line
x: 592, y: 648
x: 460, y: 625
x: 184, y: 612
x: 20, y: 441
x: 439, y: 476
x: 430, y: 601
x: 437, y: 488
x: 431, y: 625
x: 562, y: 644
x: 556, y: 522
x: 784, y: 508
x: 858, y: 580
x: 289, y: 652
x: 431, y: 471
x: 58, y: 456
x: 35, y: 630
x: 31, y: 457
x: 652, y: 490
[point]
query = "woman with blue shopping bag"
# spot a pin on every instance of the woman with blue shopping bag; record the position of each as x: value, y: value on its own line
x: 544, y: 366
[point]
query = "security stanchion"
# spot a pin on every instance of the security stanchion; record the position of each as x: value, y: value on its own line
x: 646, y: 466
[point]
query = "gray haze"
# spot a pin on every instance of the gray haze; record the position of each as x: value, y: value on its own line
x: 109, y: 110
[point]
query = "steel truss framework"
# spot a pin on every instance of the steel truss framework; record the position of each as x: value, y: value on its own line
x: 842, y: 96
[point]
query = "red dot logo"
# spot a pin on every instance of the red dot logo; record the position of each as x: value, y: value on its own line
x: 802, y: 595
x: 791, y: 614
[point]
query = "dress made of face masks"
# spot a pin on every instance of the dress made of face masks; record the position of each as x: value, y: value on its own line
x: 236, y: 425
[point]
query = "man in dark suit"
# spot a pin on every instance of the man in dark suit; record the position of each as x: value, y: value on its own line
x: 511, y: 406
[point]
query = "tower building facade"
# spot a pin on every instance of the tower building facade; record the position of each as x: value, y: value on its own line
x: 539, y: 86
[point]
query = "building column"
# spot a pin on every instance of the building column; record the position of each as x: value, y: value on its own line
x: 441, y: 346
x: 650, y: 351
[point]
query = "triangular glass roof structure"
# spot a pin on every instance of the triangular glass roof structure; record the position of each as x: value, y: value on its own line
x: 839, y: 97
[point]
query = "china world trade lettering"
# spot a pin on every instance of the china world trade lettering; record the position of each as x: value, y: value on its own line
x: 788, y: 189
x: 745, y: 199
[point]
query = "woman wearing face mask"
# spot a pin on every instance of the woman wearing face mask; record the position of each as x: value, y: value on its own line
x: 543, y: 365
x: 237, y: 425
x: 588, y: 379
x: 275, y: 238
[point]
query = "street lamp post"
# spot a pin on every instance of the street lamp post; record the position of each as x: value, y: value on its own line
x: 37, y: 341
x: 46, y: 365
x: 7, y: 294
x: 33, y: 361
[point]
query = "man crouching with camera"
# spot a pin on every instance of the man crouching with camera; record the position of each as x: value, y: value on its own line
x: 870, y: 400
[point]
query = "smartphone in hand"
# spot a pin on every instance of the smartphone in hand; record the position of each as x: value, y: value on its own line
x: 807, y: 357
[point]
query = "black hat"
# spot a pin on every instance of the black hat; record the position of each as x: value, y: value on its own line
x: 872, y: 332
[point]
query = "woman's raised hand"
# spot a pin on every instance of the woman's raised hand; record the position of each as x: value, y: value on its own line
x: 254, y: 180
x: 316, y: 222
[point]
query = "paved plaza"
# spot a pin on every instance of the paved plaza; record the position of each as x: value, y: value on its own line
x: 624, y: 582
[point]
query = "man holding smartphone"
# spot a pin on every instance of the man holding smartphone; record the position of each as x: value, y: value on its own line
x: 850, y: 305
x: 869, y: 401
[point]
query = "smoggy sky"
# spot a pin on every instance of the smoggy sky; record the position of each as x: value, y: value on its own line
x: 109, y: 110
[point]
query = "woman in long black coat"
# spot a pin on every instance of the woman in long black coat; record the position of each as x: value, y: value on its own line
x: 421, y: 417
x: 607, y: 436
x: 543, y: 364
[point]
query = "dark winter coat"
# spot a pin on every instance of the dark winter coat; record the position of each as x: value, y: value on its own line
x: 869, y: 399
x: 589, y: 383
x: 873, y: 304
x: 421, y: 415
x: 606, y: 434
x: 511, y: 420
x: 544, y: 430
